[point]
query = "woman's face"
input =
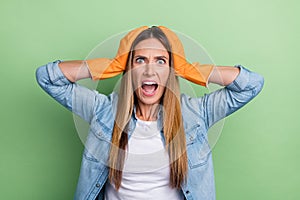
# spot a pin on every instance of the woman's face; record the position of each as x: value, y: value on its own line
x: 150, y: 71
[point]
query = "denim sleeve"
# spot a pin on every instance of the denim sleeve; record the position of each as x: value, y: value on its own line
x: 78, y: 99
x: 229, y: 99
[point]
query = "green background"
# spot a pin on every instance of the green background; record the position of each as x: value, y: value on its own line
x: 257, y: 155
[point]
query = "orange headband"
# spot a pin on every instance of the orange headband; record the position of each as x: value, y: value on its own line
x: 101, y: 68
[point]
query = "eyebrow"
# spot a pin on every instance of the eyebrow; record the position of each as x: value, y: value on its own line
x: 161, y: 57
x: 156, y: 57
x: 139, y: 56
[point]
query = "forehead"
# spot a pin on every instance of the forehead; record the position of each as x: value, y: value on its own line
x: 151, y: 43
x: 151, y: 46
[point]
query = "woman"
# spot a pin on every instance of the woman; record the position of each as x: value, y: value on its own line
x: 148, y: 141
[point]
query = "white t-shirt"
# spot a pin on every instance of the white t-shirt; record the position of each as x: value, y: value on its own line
x: 146, y: 173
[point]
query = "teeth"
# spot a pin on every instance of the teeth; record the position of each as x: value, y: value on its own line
x: 149, y: 82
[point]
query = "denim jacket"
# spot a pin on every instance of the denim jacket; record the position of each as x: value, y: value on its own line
x: 99, y: 110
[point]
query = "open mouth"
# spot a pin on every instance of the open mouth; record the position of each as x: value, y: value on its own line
x: 149, y: 87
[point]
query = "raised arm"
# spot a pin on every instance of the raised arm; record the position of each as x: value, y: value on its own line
x: 223, y: 75
x: 241, y: 86
x: 57, y: 79
x: 75, y: 70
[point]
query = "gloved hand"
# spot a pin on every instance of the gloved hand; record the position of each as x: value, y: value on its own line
x: 195, y: 72
x: 101, y: 68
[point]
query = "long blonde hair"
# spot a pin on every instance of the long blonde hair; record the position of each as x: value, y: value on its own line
x: 173, y: 129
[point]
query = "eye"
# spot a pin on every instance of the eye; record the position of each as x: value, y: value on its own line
x: 139, y: 60
x: 161, y: 61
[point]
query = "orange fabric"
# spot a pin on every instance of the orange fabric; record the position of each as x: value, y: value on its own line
x: 101, y: 68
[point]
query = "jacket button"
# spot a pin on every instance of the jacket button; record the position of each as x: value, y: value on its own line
x: 97, y: 185
x: 187, y: 192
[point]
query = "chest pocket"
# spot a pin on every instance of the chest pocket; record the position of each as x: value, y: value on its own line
x: 198, y: 149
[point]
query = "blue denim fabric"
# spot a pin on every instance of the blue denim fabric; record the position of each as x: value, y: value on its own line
x: 199, y: 114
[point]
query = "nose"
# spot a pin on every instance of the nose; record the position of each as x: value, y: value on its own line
x: 149, y: 70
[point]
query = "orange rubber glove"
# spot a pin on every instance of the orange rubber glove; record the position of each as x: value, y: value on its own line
x: 101, y: 68
x: 195, y: 72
